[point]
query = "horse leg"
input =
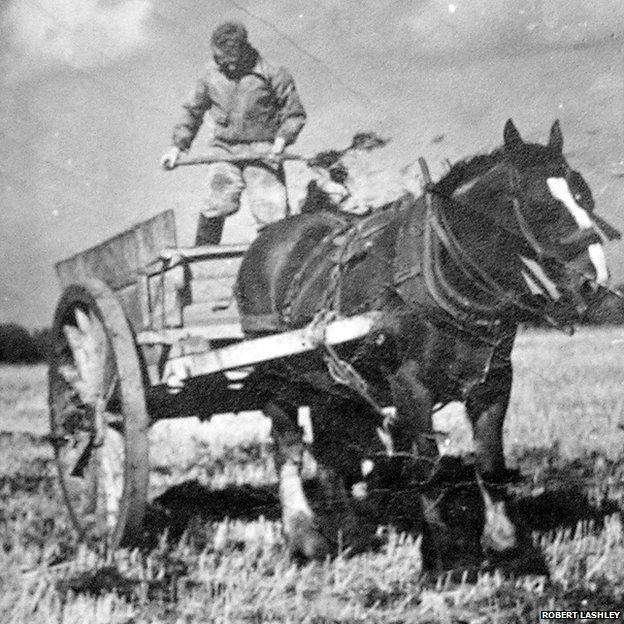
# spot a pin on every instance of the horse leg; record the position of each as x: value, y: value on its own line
x: 486, y: 407
x: 344, y: 436
x: 499, y: 532
x: 298, y: 519
x: 502, y: 539
x: 411, y: 429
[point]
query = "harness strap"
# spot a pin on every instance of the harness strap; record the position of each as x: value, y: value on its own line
x: 436, y: 235
x: 525, y: 235
x: 462, y: 256
x: 444, y: 294
x: 429, y: 273
x: 526, y: 230
x: 462, y: 259
x: 260, y: 322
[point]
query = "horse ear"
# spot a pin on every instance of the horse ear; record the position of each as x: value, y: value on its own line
x: 556, y: 138
x: 511, y: 136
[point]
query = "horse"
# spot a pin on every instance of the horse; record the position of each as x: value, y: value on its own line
x: 503, y: 238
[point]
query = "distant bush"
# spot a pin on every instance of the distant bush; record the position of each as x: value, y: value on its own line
x: 43, y: 342
x: 18, y: 345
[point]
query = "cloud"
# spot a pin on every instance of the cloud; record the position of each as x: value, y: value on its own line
x: 514, y: 26
x: 81, y: 34
x: 435, y: 28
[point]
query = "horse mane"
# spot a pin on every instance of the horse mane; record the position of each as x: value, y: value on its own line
x: 465, y: 170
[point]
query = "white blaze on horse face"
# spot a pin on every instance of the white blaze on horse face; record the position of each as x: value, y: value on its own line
x: 542, y: 279
x: 597, y: 256
x: 560, y: 190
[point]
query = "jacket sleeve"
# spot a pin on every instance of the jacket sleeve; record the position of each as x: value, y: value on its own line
x: 292, y: 115
x: 191, y: 120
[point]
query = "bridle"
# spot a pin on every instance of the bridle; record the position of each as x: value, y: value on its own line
x: 439, y: 236
x: 566, y: 248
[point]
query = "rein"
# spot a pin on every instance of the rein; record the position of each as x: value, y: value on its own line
x: 577, y: 241
x: 438, y: 234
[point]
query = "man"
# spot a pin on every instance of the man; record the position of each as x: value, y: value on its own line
x: 256, y: 110
x: 356, y: 180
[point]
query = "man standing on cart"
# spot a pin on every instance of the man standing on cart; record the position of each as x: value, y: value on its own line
x: 256, y: 110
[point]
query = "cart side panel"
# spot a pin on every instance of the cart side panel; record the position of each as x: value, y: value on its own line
x: 119, y: 262
x: 154, y: 235
x: 115, y: 262
x: 130, y: 300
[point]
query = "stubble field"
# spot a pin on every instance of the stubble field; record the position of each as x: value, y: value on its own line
x: 223, y: 558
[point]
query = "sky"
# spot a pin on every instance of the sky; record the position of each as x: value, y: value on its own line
x: 90, y: 91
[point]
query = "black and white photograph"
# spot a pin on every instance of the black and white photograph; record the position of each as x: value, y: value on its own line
x: 311, y: 312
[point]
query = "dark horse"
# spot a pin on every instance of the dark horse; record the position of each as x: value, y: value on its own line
x: 501, y: 239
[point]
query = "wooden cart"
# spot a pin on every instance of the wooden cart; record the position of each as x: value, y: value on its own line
x: 146, y: 330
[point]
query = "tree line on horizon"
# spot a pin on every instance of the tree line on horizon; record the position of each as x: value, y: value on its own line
x: 19, y: 345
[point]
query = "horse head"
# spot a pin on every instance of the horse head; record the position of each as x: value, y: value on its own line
x: 542, y: 238
x: 553, y: 208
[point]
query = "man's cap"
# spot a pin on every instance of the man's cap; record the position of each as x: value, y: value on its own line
x: 229, y: 34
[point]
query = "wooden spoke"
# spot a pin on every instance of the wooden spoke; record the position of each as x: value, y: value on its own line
x: 83, y: 459
x: 88, y: 343
x: 110, y: 464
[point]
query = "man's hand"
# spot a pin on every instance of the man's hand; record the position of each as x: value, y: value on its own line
x: 170, y: 158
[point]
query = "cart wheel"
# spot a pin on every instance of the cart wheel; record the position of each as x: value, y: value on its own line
x: 98, y: 418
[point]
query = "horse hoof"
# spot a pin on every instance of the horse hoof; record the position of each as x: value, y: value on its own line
x: 499, y: 533
x: 522, y: 561
x: 304, y: 539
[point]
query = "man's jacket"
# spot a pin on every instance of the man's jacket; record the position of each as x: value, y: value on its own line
x: 257, y: 107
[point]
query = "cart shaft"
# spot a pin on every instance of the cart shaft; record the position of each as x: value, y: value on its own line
x: 267, y: 348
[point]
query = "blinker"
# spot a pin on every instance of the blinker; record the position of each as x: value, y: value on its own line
x: 577, y: 242
x: 610, y: 233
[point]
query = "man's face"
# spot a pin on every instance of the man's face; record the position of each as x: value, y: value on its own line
x: 228, y: 57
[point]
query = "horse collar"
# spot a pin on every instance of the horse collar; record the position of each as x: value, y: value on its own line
x: 456, y: 304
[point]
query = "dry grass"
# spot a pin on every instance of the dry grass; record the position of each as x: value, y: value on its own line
x: 23, y: 399
x: 569, y: 390
x: 567, y: 397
